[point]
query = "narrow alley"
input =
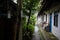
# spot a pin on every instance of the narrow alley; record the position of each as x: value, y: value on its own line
x: 29, y: 20
x: 36, y: 35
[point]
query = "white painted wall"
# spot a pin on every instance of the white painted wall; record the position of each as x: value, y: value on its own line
x: 44, y: 18
x: 56, y: 30
x: 39, y: 20
x: 48, y: 18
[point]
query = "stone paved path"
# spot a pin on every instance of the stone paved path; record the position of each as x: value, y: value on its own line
x: 36, y: 35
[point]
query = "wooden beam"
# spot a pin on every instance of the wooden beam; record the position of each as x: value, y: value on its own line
x: 19, y: 18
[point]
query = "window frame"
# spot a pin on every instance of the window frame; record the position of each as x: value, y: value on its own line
x: 56, y: 18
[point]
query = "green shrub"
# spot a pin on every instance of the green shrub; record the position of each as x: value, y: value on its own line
x: 28, y: 30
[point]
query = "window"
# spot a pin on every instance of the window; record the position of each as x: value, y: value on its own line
x: 56, y: 18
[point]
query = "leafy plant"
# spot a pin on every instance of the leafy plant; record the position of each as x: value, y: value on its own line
x: 28, y: 30
x: 29, y: 8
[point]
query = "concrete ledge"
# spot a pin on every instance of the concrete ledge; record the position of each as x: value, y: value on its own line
x: 50, y: 36
x: 47, y: 35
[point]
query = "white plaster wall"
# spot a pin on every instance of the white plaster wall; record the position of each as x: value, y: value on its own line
x: 56, y: 30
x: 39, y: 20
x: 48, y: 18
x: 44, y: 17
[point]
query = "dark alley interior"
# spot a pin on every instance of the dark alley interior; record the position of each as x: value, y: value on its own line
x: 29, y: 20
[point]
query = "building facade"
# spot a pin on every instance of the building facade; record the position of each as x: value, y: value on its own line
x: 51, y: 15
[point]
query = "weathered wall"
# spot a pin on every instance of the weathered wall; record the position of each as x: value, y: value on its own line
x: 48, y: 18
x: 56, y: 30
x: 44, y: 17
